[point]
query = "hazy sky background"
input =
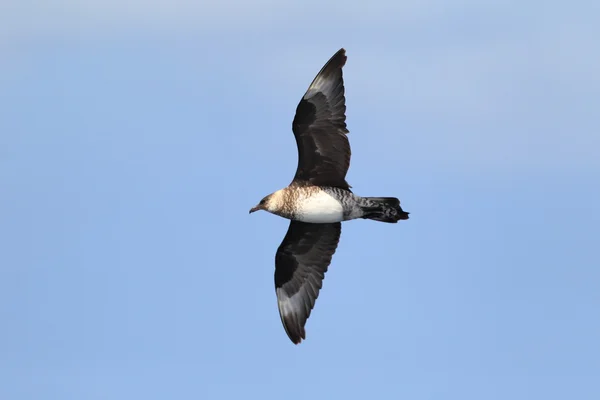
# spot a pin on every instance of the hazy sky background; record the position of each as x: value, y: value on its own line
x: 136, y: 135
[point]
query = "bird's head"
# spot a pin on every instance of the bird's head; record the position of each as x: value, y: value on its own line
x: 268, y: 203
x: 262, y: 205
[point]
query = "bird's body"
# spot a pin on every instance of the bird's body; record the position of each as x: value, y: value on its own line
x: 323, y: 205
x: 312, y: 204
x: 319, y: 205
x: 318, y: 199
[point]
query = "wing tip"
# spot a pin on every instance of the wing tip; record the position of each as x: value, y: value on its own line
x: 295, y: 331
x: 292, y: 324
x: 339, y: 58
x: 335, y: 63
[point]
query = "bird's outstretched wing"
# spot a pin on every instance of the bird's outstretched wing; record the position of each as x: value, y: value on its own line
x: 320, y: 128
x: 300, y: 265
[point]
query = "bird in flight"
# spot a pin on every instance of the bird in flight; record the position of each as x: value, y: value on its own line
x: 318, y: 199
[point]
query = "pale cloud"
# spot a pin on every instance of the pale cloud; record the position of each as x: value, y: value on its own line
x: 517, y: 84
x: 26, y: 19
x: 20, y: 19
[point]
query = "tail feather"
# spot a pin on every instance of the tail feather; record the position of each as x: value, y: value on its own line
x: 384, y: 209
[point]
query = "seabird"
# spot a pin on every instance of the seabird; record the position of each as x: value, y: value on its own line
x: 318, y: 199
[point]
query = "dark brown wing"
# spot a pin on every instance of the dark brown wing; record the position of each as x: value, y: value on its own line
x: 320, y: 128
x: 300, y: 265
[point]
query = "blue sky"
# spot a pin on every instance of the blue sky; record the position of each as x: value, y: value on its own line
x: 135, y: 136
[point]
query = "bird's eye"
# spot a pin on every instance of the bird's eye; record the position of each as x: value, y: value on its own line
x: 262, y: 201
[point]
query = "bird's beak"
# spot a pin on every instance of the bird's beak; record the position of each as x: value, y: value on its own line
x: 255, y: 208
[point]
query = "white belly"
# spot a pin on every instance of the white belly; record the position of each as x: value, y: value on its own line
x: 320, y: 208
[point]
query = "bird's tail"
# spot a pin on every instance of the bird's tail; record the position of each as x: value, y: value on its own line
x: 384, y: 209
